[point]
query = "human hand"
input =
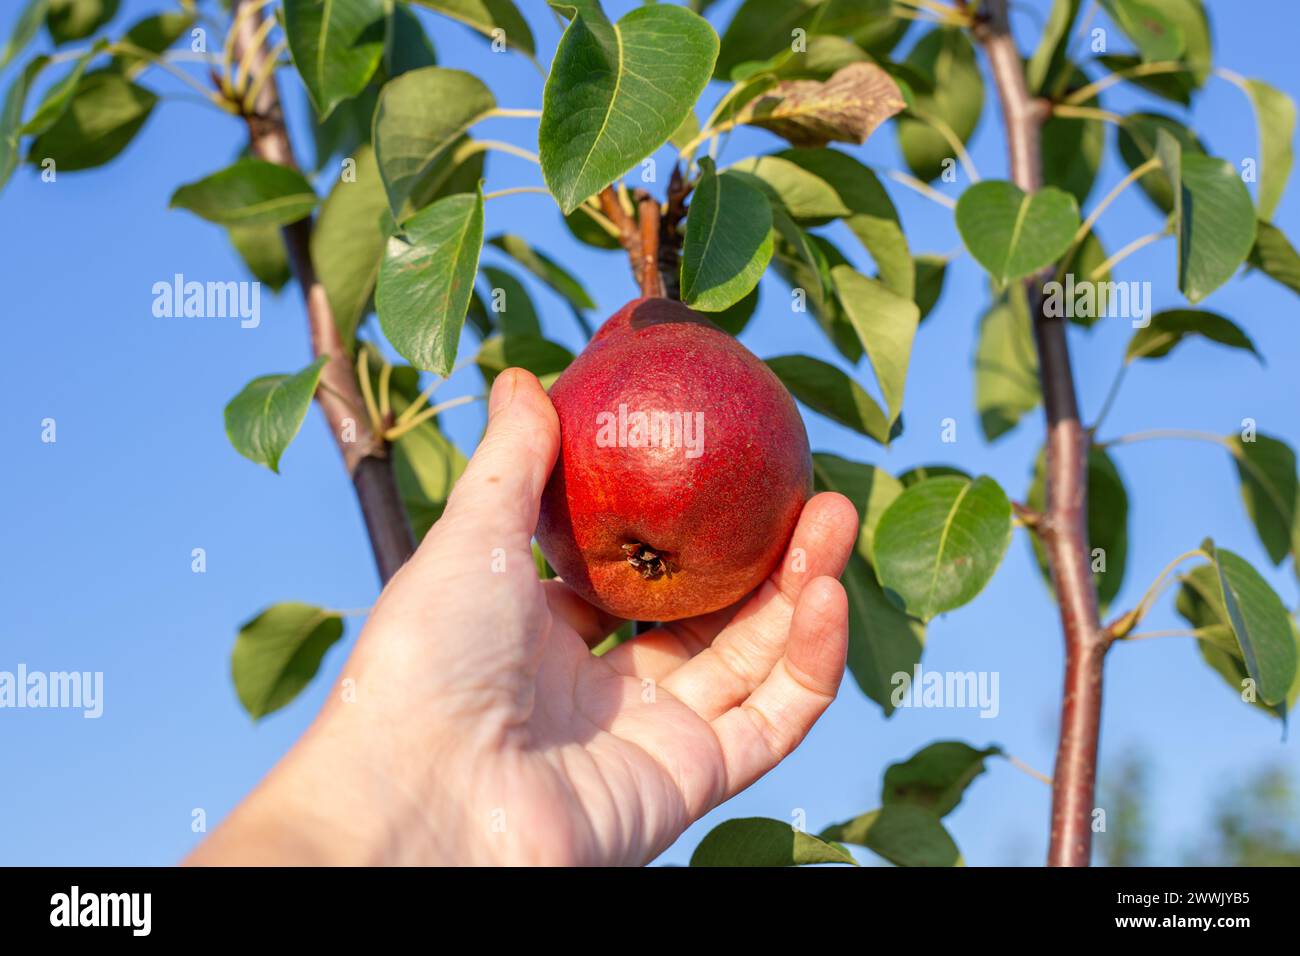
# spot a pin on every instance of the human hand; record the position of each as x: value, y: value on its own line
x: 480, y: 729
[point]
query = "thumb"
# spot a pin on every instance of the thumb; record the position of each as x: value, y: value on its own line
x: 499, y: 494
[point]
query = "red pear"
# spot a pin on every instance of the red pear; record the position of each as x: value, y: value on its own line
x: 683, y: 467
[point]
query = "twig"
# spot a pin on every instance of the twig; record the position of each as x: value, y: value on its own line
x: 364, y: 453
x: 1064, y: 527
x: 628, y: 234
x: 648, y: 208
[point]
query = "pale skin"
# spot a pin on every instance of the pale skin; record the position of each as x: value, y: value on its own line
x: 480, y: 730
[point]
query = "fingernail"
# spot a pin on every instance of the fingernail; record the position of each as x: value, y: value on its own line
x: 503, y: 392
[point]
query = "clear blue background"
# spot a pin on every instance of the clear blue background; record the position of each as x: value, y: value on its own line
x: 98, y: 528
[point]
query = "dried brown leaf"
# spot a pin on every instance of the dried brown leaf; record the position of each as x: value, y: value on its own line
x: 846, y: 108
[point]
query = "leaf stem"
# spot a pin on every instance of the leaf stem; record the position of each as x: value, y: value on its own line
x: 1086, y: 112
x: 269, y: 66
x: 925, y: 189
x: 1111, y: 395
x: 154, y: 60
x: 516, y: 190
x: 953, y: 140
x: 1085, y: 93
x: 1134, y: 175
x: 367, y: 392
x: 1124, y: 253
x: 504, y: 113
x: 1172, y: 632
x: 508, y: 148
x: 397, y: 431
x: 1154, y: 434
x: 1026, y: 769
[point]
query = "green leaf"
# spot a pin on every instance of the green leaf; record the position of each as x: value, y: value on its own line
x: 59, y: 96
x: 28, y: 22
x: 336, y: 45
x: 102, y: 119
x: 11, y: 116
x: 544, y: 359
x: 810, y: 279
x: 928, y: 275
x: 804, y: 194
x: 733, y: 319
x: 348, y: 242
x: 1086, y: 259
x: 1200, y: 604
x: 1051, y: 53
x: 1012, y: 234
x: 920, y: 473
x: 1157, y: 36
x: 1259, y: 621
x: 1272, y: 254
x: 935, y: 777
x: 559, y: 279
x: 427, y: 278
x: 871, y: 490
x: 762, y: 29
x: 825, y: 389
x: 265, y: 416
x: 1189, y: 17
x: 616, y: 92
x: 509, y: 303
x: 1107, y: 523
x: 70, y: 20
x: 886, y: 323
x: 263, y: 252
x: 278, y: 652
x: 421, y: 117
x: 1213, y: 217
x: 406, y: 46
x: 1137, y: 143
x: 939, y: 543
x: 945, y: 57
x: 1177, y: 87
x: 1006, y: 365
x: 346, y: 129
x: 883, y: 641
x: 904, y: 835
x: 1266, y: 468
x: 847, y: 108
x: 1174, y: 326
x: 488, y: 16
x: 154, y: 34
x: 1275, y: 120
x: 250, y: 192
x: 1072, y: 149
x: 756, y: 841
x: 871, y: 215
x: 728, y: 241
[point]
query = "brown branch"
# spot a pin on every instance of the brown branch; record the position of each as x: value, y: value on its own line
x: 628, y: 234
x: 648, y: 212
x: 1064, y: 525
x: 365, y: 454
x: 670, y: 235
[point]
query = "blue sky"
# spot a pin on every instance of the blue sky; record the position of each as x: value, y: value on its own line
x: 99, y: 526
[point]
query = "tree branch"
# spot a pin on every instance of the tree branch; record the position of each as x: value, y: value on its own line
x: 648, y: 214
x: 1064, y: 525
x: 365, y: 454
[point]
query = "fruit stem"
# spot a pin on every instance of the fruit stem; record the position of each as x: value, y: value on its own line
x: 648, y: 206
